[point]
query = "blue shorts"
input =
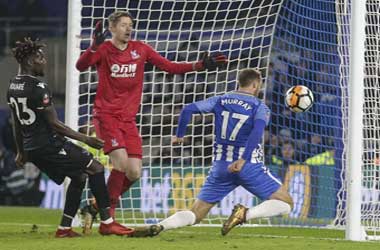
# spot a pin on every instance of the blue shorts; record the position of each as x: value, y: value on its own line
x: 255, y: 178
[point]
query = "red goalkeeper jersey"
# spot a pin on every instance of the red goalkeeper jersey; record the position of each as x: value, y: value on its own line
x: 121, y: 75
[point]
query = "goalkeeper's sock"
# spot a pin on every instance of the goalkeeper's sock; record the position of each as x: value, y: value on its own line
x: 268, y: 208
x: 126, y: 184
x: 99, y: 189
x: 73, y: 197
x: 108, y: 221
x: 179, y: 219
x: 115, y: 186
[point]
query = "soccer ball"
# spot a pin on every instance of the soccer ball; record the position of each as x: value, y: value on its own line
x: 299, y: 98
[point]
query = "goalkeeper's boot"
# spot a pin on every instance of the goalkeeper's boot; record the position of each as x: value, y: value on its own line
x: 148, y: 231
x: 66, y: 233
x: 88, y: 213
x: 236, y: 218
x: 115, y: 228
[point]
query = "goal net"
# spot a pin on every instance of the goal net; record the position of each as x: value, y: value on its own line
x: 291, y: 42
x: 370, y: 188
x: 371, y: 120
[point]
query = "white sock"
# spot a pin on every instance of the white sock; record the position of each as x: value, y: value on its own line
x: 63, y: 228
x: 179, y: 219
x: 268, y: 208
x: 107, y: 221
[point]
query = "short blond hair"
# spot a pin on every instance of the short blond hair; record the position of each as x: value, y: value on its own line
x: 114, y: 18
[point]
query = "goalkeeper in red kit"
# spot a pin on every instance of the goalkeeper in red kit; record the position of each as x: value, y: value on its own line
x: 120, y: 66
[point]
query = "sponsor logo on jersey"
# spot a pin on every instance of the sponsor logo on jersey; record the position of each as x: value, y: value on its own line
x: 134, y: 54
x: 41, y: 85
x: 114, y: 143
x: 124, y: 70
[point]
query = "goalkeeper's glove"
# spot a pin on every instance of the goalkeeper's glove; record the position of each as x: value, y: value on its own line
x: 98, y: 36
x: 211, y: 62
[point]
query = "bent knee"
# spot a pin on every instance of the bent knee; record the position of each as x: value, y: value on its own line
x: 288, y: 199
x: 120, y: 166
x: 133, y: 174
x: 283, y: 195
x: 198, y: 216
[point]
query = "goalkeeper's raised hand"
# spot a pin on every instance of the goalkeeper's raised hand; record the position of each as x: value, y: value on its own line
x: 211, y: 62
x: 99, y: 36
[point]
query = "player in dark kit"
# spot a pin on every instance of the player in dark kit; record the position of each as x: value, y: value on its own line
x: 40, y: 138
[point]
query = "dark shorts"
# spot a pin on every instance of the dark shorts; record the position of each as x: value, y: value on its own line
x: 60, y: 159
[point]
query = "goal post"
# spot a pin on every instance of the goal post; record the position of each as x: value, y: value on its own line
x: 73, y: 53
x: 72, y: 75
x: 354, y: 229
x: 319, y: 44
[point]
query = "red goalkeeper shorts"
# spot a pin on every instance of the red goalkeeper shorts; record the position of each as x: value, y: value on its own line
x: 118, y: 134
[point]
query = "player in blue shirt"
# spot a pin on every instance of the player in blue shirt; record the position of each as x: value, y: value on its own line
x: 240, y: 120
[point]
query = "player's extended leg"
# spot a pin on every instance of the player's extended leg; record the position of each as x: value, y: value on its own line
x: 198, y: 211
x: 72, y: 202
x: 260, y: 182
x: 218, y: 184
x: 190, y: 217
x: 279, y: 203
x: 98, y: 187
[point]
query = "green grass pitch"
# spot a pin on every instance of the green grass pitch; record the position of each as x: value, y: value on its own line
x: 17, y: 232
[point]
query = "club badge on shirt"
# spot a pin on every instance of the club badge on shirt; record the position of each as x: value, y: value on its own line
x: 134, y: 54
x: 114, y: 143
x: 62, y: 152
x: 41, y: 85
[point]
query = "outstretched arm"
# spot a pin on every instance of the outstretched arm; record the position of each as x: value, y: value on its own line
x: 61, y: 128
x: 184, y: 119
x: 200, y: 107
x: 210, y: 62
